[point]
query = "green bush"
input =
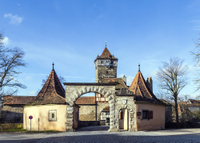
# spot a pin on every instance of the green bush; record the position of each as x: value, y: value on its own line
x: 10, y: 126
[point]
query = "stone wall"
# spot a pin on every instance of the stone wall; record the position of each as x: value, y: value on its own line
x: 87, y: 113
x: 104, y: 72
x: 12, y: 113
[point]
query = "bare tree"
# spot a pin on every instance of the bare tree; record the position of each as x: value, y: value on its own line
x: 196, y: 58
x: 172, y: 79
x: 164, y: 96
x: 10, y: 62
x: 197, y: 97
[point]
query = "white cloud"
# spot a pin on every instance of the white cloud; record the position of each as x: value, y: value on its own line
x: 14, y: 19
x: 6, y: 41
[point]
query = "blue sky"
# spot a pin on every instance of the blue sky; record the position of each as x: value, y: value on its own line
x: 71, y: 33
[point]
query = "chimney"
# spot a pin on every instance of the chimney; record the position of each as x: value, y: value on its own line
x: 150, y: 83
x: 124, y: 78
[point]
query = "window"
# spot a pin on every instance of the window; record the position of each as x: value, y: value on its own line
x: 52, y: 115
x: 146, y: 114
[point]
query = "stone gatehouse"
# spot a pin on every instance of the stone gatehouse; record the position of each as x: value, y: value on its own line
x: 131, y: 108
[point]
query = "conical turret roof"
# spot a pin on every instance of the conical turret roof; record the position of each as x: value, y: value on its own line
x: 52, y: 91
x: 141, y: 90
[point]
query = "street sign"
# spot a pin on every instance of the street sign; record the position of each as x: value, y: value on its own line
x: 30, y: 117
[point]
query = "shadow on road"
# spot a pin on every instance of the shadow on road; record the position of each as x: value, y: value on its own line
x: 93, y: 128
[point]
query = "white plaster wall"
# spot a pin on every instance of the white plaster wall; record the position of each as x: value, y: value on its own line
x: 42, y: 112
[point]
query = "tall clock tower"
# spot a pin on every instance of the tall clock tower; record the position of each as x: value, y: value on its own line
x: 105, y: 66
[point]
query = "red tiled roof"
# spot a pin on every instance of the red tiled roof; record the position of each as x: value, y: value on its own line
x: 106, y: 55
x: 120, y: 82
x: 20, y: 100
x: 85, y: 100
x: 52, y: 92
x: 140, y: 89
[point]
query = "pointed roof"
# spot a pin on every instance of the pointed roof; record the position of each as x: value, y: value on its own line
x: 52, y: 91
x: 106, y: 55
x: 141, y: 90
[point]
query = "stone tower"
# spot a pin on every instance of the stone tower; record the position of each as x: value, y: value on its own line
x: 105, y: 66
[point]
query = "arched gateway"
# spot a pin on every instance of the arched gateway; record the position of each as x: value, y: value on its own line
x: 74, y: 90
x: 117, y: 100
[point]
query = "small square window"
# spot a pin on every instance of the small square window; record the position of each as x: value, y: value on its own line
x: 146, y: 114
x: 52, y: 115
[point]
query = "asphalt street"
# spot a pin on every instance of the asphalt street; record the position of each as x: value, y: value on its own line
x: 100, y: 134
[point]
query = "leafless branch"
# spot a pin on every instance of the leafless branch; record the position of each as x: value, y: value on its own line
x: 172, y: 78
x: 10, y: 62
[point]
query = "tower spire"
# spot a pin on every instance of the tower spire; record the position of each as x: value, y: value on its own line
x: 53, y: 66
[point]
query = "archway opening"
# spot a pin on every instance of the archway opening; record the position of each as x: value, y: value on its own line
x: 90, y: 106
x: 124, y: 119
x: 105, y: 116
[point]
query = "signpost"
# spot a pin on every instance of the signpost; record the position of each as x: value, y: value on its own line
x: 30, y: 117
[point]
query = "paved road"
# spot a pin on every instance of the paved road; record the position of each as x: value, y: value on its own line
x: 101, y: 135
x: 85, y: 135
x: 21, y: 137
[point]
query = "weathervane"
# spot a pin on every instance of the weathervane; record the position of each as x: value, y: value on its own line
x: 139, y: 67
x: 53, y: 66
x: 105, y: 43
